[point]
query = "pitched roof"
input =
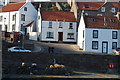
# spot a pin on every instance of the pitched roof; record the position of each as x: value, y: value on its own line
x: 58, y: 16
x: 13, y: 7
x: 117, y: 5
x: 89, y: 5
x: 107, y: 22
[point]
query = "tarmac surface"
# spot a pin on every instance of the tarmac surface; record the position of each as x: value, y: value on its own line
x: 59, y: 48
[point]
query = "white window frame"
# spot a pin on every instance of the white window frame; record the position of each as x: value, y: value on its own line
x: 70, y: 25
x: 102, y: 9
x: 70, y: 36
x: 22, y: 17
x: 113, y: 10
x: 1, y: 18
x: 50, y: 24
x: 60, y: 25
x: 50, y: 35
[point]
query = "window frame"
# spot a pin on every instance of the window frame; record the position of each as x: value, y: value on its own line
x: 50, y: 24
x: 60, y: 25
x: 70, y: 25
x: 116, y: 34
x: 94, y: 35
x: 102, y: 9
x: 96, y: 47
x: 50, y: 35
x: 25, y: 8
x: 1, y: 18
x: 22, y: 17
x: 86, y: 5
x: 113, y: 46
x: 69, y: 36
x: 113, y: 10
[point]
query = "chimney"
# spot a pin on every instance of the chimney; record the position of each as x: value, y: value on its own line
x: 6, y: 2
x: 28, y: 1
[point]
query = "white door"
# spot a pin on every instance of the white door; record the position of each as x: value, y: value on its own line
x: 104, y: 47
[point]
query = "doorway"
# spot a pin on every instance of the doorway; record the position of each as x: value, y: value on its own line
x: 60, y: 36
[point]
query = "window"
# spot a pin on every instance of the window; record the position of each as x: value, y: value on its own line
x: 22, y: 17
x: 0, y: 27
x: 60, y: 24
x: 94, y: 19
x: 103, y: 9
x: 86, y: 6
x: 95, y: 33
x: 114, y: 45
x: 49, y: 35
x: 112, y: 20
x: 114, y: 34
x: 113, y: 10
x: 25, y: 9
x: 13, y: 27
x: 70, y: 36
x: 50, y: 25
x: 22, y: 29
x: 6, y: 28
x: 70, y: 25
x: 94, y: 44
x: 13, y: 17
x: 83, y: 34
x: 1, y: 18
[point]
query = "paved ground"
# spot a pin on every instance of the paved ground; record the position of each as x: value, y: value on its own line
x: 58, y: 48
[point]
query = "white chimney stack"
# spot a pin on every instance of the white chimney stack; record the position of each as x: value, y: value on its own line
x: 6, y: 2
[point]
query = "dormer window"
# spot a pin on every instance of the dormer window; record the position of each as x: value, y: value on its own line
x: 112, y: 20
x: 113, y: 10
x: 103, y: 9
x: 94, y: 19
x: 86, y: 6
x: 25, y: 8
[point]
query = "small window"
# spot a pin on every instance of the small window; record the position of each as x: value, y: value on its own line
x: 22, y: 17
x: 50, y: 25
x: 60, y: 24
x: 13, y: 17
x: 83, y: 34
x: 114, y: 45
x: 112, y: 20
x: 22, y: 28
x: 113, y: 10
x: 49, y: 35
x: 95, y: 33
x: 86, y: 6
x: 94, y: 19
x: 114, y: 34
x: 25, y: 9
x: 94, y: 44
x: 70, y: 36
x: 0, y: 27
x: 70, y: 25
x: 13, y: 27
x: 103, y: 9
x: 1, y: 18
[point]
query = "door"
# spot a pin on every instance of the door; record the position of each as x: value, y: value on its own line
x: 60, y: 36
x: 104, y: 47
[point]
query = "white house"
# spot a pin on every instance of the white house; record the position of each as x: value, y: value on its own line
x: 57, y: 26
x: 15, y: 16
x: 99, y: 33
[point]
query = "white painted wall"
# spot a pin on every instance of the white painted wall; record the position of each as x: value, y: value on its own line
x: 103, y: 35
x: 33, y: 36
x: 55, y: 28
x: 30, y: 15
x: 81, y: 27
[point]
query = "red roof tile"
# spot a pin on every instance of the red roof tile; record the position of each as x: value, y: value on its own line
x: 58, y: 16
x: 117, y: 5
x: 13, y: 7
x: 100, y: 21
x: 91, y: 5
